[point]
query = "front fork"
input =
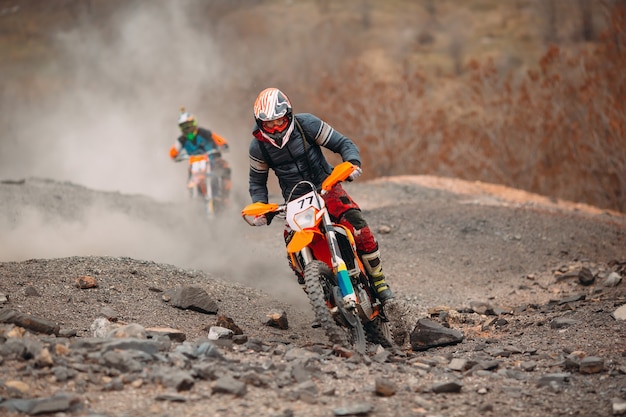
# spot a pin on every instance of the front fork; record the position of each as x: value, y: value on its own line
x: 339, y: 266
x: 340, y: 269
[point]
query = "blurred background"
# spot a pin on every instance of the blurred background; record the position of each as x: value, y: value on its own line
x: 525, y: 93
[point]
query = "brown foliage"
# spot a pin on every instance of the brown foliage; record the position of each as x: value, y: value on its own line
x: 558, y: 130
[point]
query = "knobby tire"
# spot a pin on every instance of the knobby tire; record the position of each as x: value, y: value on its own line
x: 315, y: 273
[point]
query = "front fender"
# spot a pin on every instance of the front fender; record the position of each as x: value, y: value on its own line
x: 300, y: 240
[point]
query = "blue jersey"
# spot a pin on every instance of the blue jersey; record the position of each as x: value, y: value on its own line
x: 202, y: 143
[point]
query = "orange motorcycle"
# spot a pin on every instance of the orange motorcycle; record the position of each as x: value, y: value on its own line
x: 324, y: 253
x: 203, y: 183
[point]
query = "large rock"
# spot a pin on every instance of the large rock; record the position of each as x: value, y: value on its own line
x: 428, y: 334
x: 32, y: 323
x: 193, y: 298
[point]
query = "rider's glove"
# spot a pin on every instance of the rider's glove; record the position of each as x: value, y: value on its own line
x: 355, y: 174
x: 260, y: 220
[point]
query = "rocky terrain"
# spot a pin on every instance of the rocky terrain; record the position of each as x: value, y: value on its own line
x: 525, y: 294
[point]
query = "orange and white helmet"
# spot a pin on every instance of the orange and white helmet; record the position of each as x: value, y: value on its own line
x: 274, y: 116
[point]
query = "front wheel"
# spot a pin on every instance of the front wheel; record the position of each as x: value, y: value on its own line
x: 346, y: 330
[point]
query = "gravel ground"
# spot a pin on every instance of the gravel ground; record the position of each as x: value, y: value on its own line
x: 447, y: 246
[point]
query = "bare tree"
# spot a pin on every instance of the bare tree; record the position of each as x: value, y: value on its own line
x: 586, y: 16
x: 366, y: 13
x: 456, y: 49
x: 431, y: 9
x: 551, y: 33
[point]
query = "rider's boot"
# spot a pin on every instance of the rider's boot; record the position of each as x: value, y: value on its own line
x: 301, y: 282
x: 227, y: 184
x: 298, y: 274
x: 374, y: 268
x: 225, y: 194
x: 203, y: 190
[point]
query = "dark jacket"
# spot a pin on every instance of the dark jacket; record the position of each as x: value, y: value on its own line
x: 290, y: 164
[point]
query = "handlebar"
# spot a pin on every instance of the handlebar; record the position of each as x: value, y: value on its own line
x: 184, y: 156
x: 269, y: 216
x: 270, y: 210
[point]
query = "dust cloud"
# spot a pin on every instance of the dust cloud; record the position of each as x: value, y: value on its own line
x: 115, y: 119
x: 109, y: 129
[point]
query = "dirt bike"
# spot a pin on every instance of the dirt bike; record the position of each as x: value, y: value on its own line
x: 324, y: 253
x: 204, y: 182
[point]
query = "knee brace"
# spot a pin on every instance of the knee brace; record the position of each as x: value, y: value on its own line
x: 372, y: 263
x: 355, y: 218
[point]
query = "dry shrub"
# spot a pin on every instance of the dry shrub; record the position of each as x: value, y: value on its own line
x: 558, y: 130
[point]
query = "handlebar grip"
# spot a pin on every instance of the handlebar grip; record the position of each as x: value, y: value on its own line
x: 270, y: 216
x: 247, y: 220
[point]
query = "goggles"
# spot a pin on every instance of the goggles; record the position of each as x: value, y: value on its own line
x: 187, y: 127
x: 275, y: 126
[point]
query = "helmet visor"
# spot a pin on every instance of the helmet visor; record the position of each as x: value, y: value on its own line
x: 187, y: 127
x: 275, y: 126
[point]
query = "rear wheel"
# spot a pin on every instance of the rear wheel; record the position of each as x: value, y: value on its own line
x: 347, y: 330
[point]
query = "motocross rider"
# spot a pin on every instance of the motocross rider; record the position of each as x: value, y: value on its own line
x: 291, y: 145
x: 195, y: 140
